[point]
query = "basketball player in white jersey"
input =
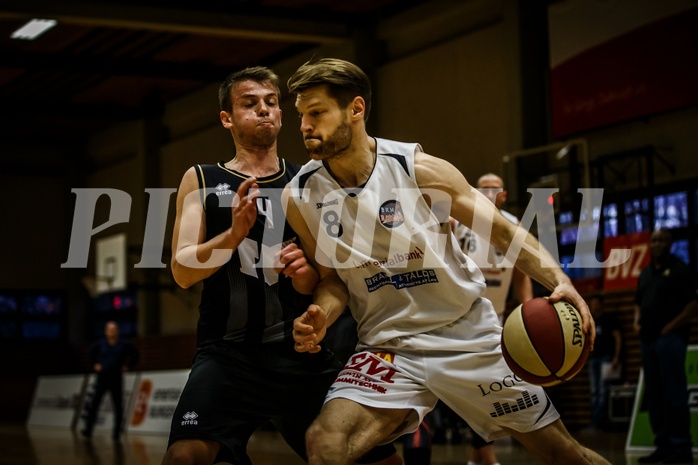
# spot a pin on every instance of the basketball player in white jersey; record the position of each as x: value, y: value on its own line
x: 373, y: 215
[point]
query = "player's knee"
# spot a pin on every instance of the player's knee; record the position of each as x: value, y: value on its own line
x: 323, y: 445
x: 569, y: 452
x: 189, y: 452
x: 176, y: 457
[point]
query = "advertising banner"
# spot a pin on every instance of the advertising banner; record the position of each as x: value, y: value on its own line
x: 56, y: 399
x: 625, y: 275
x: 155, y: 399
x: 640, y: 437
x: 614, y: 61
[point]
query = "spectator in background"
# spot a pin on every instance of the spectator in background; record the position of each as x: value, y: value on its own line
x: 604, y: 360
x: 665, y: 303
x: 110, y: 358
x: 500, y: 274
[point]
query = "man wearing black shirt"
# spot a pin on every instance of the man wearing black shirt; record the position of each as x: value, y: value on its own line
x: 665, y: 303
x: 110, y: 358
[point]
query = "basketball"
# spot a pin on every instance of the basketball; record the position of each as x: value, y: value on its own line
x: 543, y: 343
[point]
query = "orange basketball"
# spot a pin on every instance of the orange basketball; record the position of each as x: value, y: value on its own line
x: 543, y: 343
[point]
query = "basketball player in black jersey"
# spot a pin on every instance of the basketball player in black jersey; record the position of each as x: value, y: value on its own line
x: 230, y: 232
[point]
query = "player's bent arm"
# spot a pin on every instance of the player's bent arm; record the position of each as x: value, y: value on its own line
x: 331, y: 294
x: 296, y: 266
x: 523, y: 287
x: 535, y: 261
x: 686, y: 315
x: 475, y: 211
x: 193, y: 258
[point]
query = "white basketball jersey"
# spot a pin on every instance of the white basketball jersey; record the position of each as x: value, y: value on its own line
x: 405, y: 272
x: 497, y: 270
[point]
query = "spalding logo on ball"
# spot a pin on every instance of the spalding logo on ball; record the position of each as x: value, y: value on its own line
x: 543, y: 343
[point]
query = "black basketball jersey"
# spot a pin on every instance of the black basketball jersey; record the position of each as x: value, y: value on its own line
x: 246, y: 300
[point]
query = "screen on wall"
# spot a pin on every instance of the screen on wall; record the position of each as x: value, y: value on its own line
x: 680, y: 249
x: 671, y: 210
x: 637, y: 216
x: 42, y: 304
x: 32, y: 315
x: 610, y: 220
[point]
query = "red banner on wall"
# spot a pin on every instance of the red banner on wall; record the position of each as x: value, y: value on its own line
x: 640, y: 72
x: 624, y: 275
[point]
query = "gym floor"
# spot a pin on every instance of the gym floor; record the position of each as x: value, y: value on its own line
x: 20, y: 445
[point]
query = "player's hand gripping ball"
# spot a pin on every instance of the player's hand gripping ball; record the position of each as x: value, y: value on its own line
x: 543, y: 343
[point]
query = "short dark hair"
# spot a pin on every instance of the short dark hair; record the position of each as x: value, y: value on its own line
x: 259, y: 74
x: 344, y: 80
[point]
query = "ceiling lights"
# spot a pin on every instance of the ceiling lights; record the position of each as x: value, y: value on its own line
x: 33, y: 29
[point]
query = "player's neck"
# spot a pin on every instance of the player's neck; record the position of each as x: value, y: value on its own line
x: 256, y: 162
x: 354, y: 167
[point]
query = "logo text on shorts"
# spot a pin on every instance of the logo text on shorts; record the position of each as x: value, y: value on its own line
x: 366, y: 370
x: 496, y: 386
x: 522, y: 403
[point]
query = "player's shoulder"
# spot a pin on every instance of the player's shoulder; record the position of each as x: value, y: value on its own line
x: 290, y: 166
x: 305, y: 171
x: 394, y: 147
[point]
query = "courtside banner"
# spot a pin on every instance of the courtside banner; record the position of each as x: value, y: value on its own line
x: 56, y: 400
x: 105, y: 415
x: 640, y: 437
x: 155, y: 399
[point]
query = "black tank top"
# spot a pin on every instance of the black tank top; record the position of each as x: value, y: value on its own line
x: 244, y: 301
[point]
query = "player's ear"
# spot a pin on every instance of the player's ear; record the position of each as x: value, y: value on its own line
x: 226, y: 119
x: 358, y: 106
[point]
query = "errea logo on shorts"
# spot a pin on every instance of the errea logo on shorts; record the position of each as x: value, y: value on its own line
x: 189, y: 418
x: 223, y: 189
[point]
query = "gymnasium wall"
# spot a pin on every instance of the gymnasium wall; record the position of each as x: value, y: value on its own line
x: 447, y: 81
x: 455, y: 91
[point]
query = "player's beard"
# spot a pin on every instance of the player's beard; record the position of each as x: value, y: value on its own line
x: 333, y: 145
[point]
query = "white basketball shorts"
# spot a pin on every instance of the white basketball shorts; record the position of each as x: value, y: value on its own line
x: 462, y: 365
